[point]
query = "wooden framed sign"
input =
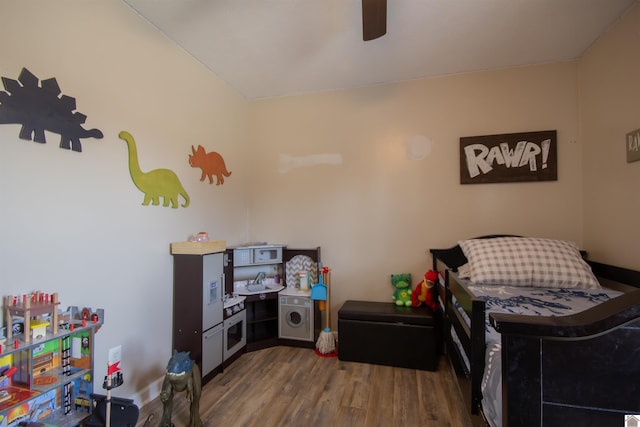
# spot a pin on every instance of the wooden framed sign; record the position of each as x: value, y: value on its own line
x: 633, y: 146
x: 511, y: 157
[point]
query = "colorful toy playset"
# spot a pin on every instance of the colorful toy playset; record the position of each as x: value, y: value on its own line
x: 45, y: 359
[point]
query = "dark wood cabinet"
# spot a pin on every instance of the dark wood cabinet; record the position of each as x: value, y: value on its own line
x: 187, y: 322
x: 228, y: 271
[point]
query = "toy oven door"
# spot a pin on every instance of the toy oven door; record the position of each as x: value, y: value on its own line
x: 235, y: 333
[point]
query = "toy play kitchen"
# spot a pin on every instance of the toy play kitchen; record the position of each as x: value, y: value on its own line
x: 276, y: 280
x: 242, y: 298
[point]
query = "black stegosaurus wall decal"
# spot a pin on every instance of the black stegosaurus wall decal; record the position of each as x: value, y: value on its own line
x: 41, y: 108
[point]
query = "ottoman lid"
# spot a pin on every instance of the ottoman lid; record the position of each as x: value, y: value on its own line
x: 385, y: 312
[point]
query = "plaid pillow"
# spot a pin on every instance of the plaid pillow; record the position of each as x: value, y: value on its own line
x: 523, y: 261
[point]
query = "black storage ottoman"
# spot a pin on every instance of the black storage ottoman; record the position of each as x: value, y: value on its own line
x: 386, y: 334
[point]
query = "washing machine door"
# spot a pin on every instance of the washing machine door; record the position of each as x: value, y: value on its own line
x: 295, y: 318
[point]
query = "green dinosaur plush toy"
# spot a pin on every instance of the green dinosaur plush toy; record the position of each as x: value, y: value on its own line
x: 402, y: 294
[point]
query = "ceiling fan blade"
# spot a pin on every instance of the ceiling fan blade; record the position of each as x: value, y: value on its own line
x: 374, y: 19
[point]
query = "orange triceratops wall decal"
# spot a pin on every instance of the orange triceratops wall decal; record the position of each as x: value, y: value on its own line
x: 211, y: 164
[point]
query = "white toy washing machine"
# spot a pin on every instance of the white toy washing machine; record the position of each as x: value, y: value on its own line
x: 296, y: 317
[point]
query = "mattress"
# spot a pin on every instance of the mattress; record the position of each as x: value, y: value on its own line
x: 524, y: 301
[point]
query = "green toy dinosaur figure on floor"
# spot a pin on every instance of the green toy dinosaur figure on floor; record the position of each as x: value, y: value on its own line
x: 182, y: 375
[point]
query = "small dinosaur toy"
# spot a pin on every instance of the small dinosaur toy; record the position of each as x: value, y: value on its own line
x: 425, y: 292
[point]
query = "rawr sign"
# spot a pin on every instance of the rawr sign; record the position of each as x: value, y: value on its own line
x: 633, y: 146
x: 512, y: 157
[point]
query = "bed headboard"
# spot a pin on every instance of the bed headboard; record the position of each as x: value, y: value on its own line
x: 618, y: 274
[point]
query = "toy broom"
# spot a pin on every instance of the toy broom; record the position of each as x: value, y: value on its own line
x: 326, y: 344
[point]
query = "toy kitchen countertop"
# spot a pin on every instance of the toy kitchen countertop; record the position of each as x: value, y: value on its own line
x: 231, y: 301
x: 283, y: 290
x: 253, y: 287
x: 243, y: 290
x: 295, y: 292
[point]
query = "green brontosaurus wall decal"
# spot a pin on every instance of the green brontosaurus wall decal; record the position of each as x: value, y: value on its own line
x: 156, y: 183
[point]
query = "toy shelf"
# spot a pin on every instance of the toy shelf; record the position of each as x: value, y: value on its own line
x: 57, y: 378
x: 53, y: 379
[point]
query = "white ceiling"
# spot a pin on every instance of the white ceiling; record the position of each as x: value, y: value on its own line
x: 270, y: 48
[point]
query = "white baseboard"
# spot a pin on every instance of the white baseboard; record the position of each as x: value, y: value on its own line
x: 148, y: 393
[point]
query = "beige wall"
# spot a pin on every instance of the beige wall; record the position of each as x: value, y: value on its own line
x: 610, y: 108
x: 73, y: 222
x: 377, y: 212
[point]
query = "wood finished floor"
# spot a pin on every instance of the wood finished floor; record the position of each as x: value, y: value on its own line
x: 287, y: 386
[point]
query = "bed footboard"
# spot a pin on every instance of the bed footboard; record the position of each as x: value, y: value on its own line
x: 584, y: 367
x: 471, y: 338
x: 466, y: 351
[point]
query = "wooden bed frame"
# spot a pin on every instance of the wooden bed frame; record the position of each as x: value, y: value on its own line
x: 582, y: 369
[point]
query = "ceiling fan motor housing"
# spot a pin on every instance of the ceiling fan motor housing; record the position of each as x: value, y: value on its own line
x: 374, y: 19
